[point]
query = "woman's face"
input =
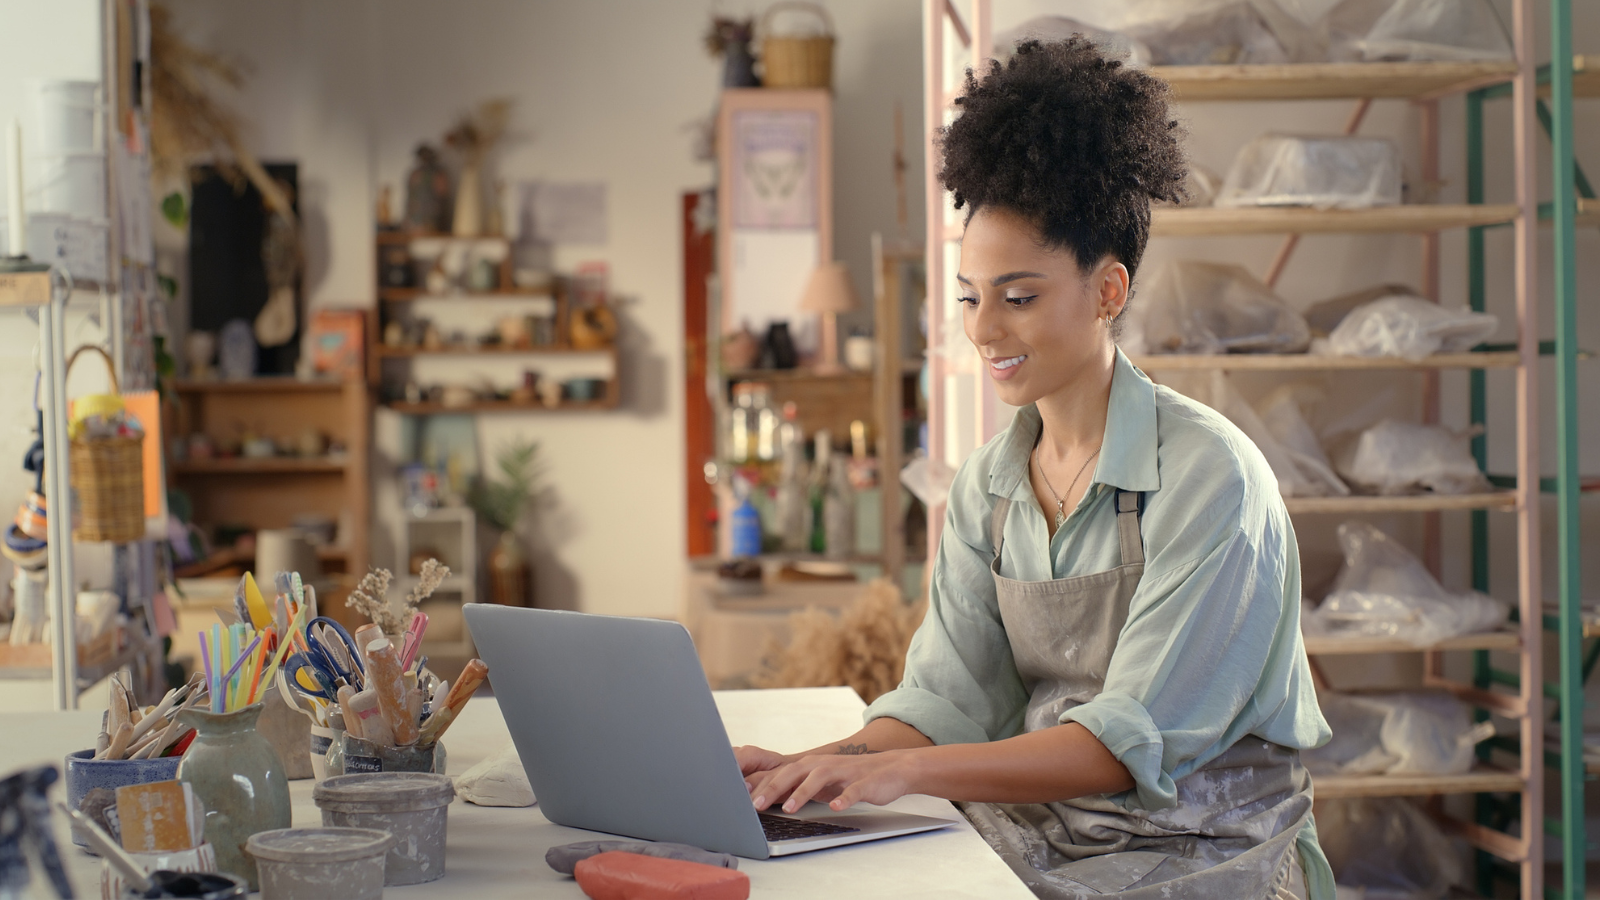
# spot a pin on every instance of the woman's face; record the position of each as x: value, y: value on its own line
x: 1033, y: 315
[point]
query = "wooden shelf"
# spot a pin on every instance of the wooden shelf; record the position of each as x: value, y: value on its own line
x: 1480, y: 780
x: 406, y: 237
x: 1317, y: 645
x: 1305, y: 361
x: 1413, y: 218
x: 258, y: 386
x: 1585, y: 76
x: 1500, y: 500
x: 409, y: 295
x: 1330, y: 81
x: 277, y: 465
x: 490, y: 349
x: 802, y: 373
x: 492, y: 406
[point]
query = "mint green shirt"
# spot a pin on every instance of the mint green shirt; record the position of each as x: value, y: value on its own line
x: 1211, y: 651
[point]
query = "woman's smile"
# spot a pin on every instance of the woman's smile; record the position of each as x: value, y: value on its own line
x: 1003, y: 368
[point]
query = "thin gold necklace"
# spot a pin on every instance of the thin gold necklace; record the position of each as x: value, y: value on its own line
x: 1061, y: 511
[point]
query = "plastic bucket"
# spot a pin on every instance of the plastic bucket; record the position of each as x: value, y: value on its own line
x: 65, y: 116
x: 70, y: 183
x: 412, y: 806
x: 313, y: 863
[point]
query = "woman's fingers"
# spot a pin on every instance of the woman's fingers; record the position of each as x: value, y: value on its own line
x: 755, y: 759
x: 776, y: 785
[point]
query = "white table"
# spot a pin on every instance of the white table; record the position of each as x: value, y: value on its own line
x: 497, y: 852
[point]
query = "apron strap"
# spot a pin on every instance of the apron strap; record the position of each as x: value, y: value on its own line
x: 1130, y: 507
x: 997, y: 524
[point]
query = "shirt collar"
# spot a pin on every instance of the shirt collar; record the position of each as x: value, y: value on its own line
x: 1127, y: 452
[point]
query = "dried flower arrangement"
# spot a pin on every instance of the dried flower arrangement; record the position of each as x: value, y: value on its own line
x: 187, y: 122
x: 726, y: 32
x: 371, y: 596
x: 865, y: 648
x: 478, y: 131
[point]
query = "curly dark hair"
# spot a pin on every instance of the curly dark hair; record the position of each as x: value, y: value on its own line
x: 1071, y: 141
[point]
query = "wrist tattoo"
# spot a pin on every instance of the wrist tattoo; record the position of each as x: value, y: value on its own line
x: 853, y: 750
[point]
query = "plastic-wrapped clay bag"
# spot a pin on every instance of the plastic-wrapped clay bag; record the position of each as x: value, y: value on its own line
x: 1397, y: 733
x: 1203, y: 307
x: 1203, y: 33
x: 1437, y: 30
x: 1410, y: 327
x: 1384, y: 591
x: 1401, y: 457
x: 1276, y: 427
x: 1112, y: 44
x: 1390, y: 847
x: 1304, y: 170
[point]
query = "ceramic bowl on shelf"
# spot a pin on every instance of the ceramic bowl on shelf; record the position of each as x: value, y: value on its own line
x: 583, y: 390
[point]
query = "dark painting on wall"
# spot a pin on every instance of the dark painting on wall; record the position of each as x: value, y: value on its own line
x: 227, y: 277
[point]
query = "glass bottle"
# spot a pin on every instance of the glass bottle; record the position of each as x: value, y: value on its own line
x: 794, y: 500
x: 742, y: 424
x: 821, y: 465
x: 767, y: 423
x: 839, y: 511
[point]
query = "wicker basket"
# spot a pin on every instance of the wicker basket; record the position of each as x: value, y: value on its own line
x: 107, y: 479
x: 796, y: 62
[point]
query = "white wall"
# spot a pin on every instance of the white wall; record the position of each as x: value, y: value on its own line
x: 605, y: 91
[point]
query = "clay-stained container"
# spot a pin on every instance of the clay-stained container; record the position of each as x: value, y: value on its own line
x: 240, y: 779
x: 412, y: 806
x: 314, y: 863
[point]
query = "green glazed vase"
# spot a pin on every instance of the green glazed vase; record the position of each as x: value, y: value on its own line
x: 240, y: 780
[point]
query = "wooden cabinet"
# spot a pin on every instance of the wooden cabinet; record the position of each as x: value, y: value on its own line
x: 270, y: 491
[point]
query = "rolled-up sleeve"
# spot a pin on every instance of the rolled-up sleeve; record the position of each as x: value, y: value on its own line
x: 1197, y: 664
x: 961, y: 683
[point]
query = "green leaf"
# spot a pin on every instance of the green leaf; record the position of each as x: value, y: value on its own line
x: 175, y: 210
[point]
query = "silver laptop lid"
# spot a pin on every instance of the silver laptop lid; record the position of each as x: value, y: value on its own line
x: 616, y: 726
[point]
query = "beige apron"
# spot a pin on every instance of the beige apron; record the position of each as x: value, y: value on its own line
x: 1231, y: 834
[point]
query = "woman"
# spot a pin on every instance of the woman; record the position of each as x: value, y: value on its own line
x: 1110, y: 677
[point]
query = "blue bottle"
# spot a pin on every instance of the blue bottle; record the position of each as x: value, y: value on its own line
x: 746, y: 524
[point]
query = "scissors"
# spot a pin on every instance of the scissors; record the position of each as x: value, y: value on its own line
x: 343, y: 662
x: 301, y: 668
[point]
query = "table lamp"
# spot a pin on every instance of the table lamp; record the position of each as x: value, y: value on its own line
x: 829, y: 292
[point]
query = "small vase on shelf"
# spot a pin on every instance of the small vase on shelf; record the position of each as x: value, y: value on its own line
x: 508, y: 572
x: 468, y: 220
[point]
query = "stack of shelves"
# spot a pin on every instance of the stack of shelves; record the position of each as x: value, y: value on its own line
x: 402, y: 304
x: 964, y: 412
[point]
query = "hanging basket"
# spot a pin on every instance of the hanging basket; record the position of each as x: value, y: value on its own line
x: 796, y: 62
x: 107, y: 478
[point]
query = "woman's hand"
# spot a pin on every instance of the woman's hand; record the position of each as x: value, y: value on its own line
x: 753, y: 760
x: 840, y: 780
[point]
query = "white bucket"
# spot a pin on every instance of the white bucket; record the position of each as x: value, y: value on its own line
x: 73, y: 184
x: 65, y: 116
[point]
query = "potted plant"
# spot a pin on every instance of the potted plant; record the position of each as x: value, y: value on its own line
x: 501, y: 503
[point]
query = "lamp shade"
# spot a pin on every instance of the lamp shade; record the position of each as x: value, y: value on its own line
x: 829, y: 290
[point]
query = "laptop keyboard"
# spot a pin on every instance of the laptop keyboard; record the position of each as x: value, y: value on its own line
x: 779, y: 828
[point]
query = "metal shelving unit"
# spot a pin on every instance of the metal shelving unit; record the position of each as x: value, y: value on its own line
x: 964, y: 412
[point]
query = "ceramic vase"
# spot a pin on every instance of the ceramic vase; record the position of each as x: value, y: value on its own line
x: 240, y: 779
x: 508, y: 572
x: 469, y: 203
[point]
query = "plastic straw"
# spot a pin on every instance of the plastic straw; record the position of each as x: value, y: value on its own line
x: 234, y: 670
x: 205, y: 657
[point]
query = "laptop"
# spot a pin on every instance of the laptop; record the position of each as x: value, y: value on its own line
x: 616, y: 727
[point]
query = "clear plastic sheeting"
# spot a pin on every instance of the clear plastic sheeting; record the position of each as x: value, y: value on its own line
x: 1384, y: 591
x: 1390, y: 848
x: 1204, y: 307
x: 1306, y: 170
x: 1113, y: 44
x: 1439, y: 31
x: 1410, y: 327
x: 1403, y: 457
x: 1205, y: 33
x: 1277, y: 427
x: 1398, y: 733
x: 929, y: 479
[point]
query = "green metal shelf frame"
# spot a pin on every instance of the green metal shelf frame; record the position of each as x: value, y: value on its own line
x: 1568, y: 182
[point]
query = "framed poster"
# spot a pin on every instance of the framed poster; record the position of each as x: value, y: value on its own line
x: 774, y: 200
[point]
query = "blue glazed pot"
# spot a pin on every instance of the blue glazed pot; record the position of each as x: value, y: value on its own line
x: 85, y: 773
